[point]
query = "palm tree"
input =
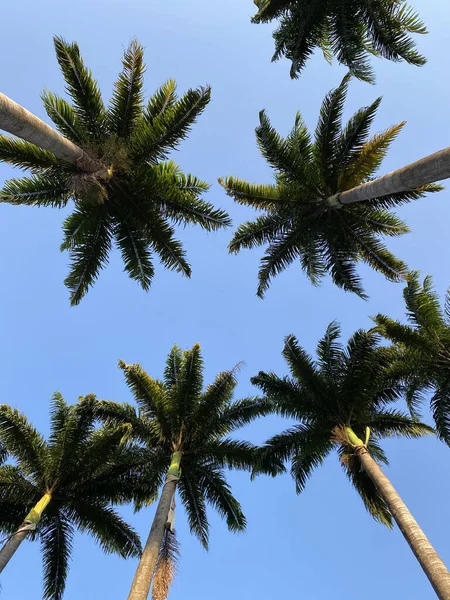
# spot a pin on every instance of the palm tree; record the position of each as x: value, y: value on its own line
x: 137, y: 193
x: 187, y: 427
x: 424, y: 346
x: 350, y: 31
x: 303, y: 218
x: 67, y: 482
x: 342, y: 402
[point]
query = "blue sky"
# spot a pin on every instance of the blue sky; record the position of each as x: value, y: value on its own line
x: 318, y: 545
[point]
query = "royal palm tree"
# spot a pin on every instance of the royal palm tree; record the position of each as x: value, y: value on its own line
x: 137, y: 193
x: 187, y: 427
x: 424, y: 346
x: 303, y: 218
x: 66, y: 483
x: 342, y: 402
x: 350, y: 31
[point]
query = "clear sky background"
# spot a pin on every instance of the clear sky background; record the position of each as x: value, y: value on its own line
x: 316, y: 546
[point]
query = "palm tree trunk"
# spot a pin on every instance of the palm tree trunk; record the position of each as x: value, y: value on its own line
x: 434, y: 167
x: 20, y: 122
x: 140, y: 587
x: 427, y: 556
x: 29, y: 524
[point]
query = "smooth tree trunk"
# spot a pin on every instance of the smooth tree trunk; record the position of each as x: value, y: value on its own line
x: 434, y: 167
x: 140, y: 587
x: 427, y: 556
x: 20, y: 122
x: 29, y: 524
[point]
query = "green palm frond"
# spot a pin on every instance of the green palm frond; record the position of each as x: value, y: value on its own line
x: 107, y: 527
x: 137, y: 258
x: 395, y: 423
x: 25, y: 155
x: 56, y: 537
x: 162, y: 101
x: 328, y: 130
x: 174, y: 363
x: 149, y: 395
x: 152, y: 141
x: 240, y: 413
x: 192, y: 497
x: 87, y: 233
x: 81, y: 86
x: 365, y: 487
x: 218, y: 493
x: 215, y: 400
x: 22, y: 441
x: 230, y: 453
x: 63, y: 115
x: 169, y: 250
x: 126, y: 105
x: 38, y: 190
x: 369, y: 158
x: 440, y: 408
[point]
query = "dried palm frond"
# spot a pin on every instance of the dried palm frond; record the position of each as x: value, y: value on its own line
x: 166, y: 566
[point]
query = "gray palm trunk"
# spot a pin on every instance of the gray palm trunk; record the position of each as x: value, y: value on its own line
x: 427, y: 556
x: 140, y: 587
x: 21, y: 123
x: 434, y: 167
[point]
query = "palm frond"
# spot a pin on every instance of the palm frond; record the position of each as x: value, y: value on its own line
x: 133, y: 244
x: 126, y: 104
x: 67, y: 121
x: 152, y: 141
x: 218, y: 493
x: 38, y: 190
x: 106, y: 526
x: 56, y: 537
x: 369, y: 158
x: 22, y: 441
x: 174, y: 363
x: 87, y: 234
x: 388, y: 423
x: 81, y: 86
x: 25, y: 155
x: 149, y: 395
x: 191, y: 494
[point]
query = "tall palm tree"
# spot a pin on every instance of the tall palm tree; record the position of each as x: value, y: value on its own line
x: 351, y: 31
x: 136, y: 195
x: 187, y: 427
x: 424, y: 346
x: 66, y: 483
x: 303, y: 219
x: 342, y: 402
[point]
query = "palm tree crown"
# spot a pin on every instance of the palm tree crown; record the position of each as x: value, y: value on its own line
x: 350, y: 31
x: 175, y: 415
x: 340, y: 394
x: 302, y: 220
x: 424, y: 346
x: 139, y: 193
x: 83, y: 470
